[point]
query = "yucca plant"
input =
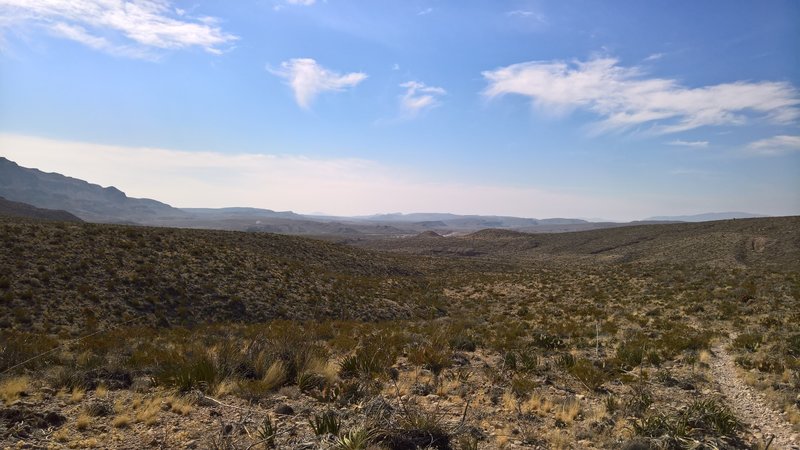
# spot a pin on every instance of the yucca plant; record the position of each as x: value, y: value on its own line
x: 326, y: 423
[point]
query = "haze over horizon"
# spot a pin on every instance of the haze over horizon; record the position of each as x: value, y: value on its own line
x: 521, y: 108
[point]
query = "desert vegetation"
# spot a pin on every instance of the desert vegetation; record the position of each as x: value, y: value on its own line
x: 129, y: 337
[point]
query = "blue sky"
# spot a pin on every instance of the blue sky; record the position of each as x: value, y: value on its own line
x: 618, y: 110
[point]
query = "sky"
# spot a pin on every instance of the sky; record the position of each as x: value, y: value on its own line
x: 617, y: 110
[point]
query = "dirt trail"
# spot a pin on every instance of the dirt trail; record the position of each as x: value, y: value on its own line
x: 750, y: 405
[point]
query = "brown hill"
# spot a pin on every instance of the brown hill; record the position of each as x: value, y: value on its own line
x: 767, y: 241
x: 88, y: 274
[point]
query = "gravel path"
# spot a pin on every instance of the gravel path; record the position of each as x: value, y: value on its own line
x: 750, y: 405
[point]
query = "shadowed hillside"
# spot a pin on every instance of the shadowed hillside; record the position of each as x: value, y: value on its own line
x: 17, y: 209
x: 87, y: 201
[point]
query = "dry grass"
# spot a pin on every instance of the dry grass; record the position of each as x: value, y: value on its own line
x: 77, y: 395
x: 179, y: 405
x: 11, y: 388
x: 568, y: 411
x: 121, y: 421
x: 148, y: 410
x: 275, y: 376
x: 82, y: 422
x: 101, y: 391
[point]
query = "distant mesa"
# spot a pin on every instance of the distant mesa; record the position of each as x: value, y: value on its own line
x: 707, y: 217
x: 18, y: 209
x: 94, y: 203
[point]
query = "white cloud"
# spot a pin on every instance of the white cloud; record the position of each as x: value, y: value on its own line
x: 117, y: 25
x: 425, y: 12
x: 654, y: 57
x: 301, y: 2
x: 344, y: 186
x: 624, y: 97
x: 419, y: 97
x: 775, y: 146
x: 695, y: 144
x: 79, y: 34
x: 527, y: 14
x: 308, y: 79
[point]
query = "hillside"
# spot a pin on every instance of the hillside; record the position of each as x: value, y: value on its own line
x: 88, y: 201
x: 236, y: 339
x: 17, y: 209
x: 56, y: 276
x: 765, y: 241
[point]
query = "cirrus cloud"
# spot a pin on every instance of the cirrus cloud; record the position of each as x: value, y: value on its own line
x: 775, y: 146
x: 624, y: 97
x: 693, y: 144
x: 127, y: 28
x: 419, y: 97
x: 308, y: 79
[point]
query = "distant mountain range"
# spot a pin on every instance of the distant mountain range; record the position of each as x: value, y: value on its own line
x: 94, y: 203
x: 706, y: 217
x: 90, y: 202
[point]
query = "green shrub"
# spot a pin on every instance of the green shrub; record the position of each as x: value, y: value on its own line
x: 463, y: 343
x: 547, y: 341
x: 189, y: 373
x: 430, y: 357
x: 748, y: 341
x: 631, y: 353
x: 326, y: 423
x: 588, y: 374
x: 704, y: 424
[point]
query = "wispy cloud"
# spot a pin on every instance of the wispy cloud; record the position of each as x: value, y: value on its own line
x: 624, y: 97
x: 127, y: 28
x: 309, y: 79
x: 654, y: 57
x: 694, y: 144
x: 775, y: 146
x: 689, y: 172
x: 527, y: 14
x: 301, y: 2
x: 419, y: 97
x: 346, y: 186
x: 424, y: 12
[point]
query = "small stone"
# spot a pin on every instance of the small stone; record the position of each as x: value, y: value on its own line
x: 284, y: 410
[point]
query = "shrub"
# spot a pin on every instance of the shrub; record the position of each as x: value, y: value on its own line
x: 266, y: 433
x: 189, y: 373
x: 430, y: 357
x: 326, y: 423
x: 793, y: 345
x: 748, y: 341
x: 463, y: 343
x: 631, y: 353
x: 640, y: 399
x: 704, y: 424
x: 546, y: 341
x: 590, y: 376
x: 355, y: 439
x: 521, y: 386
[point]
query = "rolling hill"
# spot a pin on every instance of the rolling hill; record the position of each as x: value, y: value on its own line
x: 767, y: 241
